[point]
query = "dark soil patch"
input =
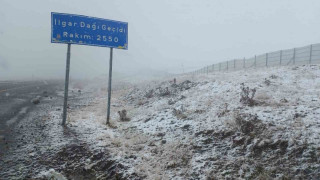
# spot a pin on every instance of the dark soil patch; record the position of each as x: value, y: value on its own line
x: 77, y: 162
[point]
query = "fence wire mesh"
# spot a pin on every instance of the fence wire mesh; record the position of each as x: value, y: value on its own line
x: 297, y: 56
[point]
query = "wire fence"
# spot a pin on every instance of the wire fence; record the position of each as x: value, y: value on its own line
x: 297, y: 56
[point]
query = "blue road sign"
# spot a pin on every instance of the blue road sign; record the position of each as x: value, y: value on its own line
x: 85, y: 30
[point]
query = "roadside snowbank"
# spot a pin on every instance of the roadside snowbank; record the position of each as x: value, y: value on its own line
x: 198, y: 128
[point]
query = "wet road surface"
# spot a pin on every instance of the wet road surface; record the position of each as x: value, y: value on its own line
x: 15, y: 103
x: 36, y: 141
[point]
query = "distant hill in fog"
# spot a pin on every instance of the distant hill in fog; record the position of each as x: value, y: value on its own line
x: 138, y: 75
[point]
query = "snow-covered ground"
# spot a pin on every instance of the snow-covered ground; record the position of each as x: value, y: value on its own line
x: 199, y: 129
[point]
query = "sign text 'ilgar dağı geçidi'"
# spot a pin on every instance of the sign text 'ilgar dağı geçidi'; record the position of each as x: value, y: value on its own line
x: 78, y: 29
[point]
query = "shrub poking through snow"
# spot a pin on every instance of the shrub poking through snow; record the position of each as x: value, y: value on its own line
x: 273, y: 76
x: 224, y: 110
x: 142, y: 102
x: 185, y: 85
x: 180, y: 156
x: 267, y: 82
x: 123, y: 115
x: 163, y: 91
x: 248, y: 123
x: 247, y: 95
x: 171, y: 101
x: 36, y: 100
x: 179, y: 114
x: 149, y: 94
x: 283, y: 100
x: 244, y: 126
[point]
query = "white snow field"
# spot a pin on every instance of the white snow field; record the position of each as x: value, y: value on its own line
x: 199, y: 129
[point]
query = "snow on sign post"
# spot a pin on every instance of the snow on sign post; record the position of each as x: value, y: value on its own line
x: 84, y: 30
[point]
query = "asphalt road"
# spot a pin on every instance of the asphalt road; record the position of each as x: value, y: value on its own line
x: 15, y: 102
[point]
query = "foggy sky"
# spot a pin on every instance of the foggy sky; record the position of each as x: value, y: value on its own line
x: 164, y: 35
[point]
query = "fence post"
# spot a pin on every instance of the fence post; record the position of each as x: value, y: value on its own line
x: 227, y: 65
x: 280, y: 57
x: 255, y: 60
x: 266, y: 59
x: 207, y: 70
x: 244, y: 63
x: 294, y: 56
x: 310, y: 54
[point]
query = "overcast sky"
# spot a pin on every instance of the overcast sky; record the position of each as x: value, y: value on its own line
x: 164, y: 35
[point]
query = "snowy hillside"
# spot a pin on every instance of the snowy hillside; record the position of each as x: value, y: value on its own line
x: 199, y: 129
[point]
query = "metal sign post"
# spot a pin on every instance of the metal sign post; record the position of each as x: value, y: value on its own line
x: 66, y: 87
x: 109, y: 85
x: 85, y: 30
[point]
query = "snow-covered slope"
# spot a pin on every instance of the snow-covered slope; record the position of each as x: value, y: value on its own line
x: 199, y: 129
